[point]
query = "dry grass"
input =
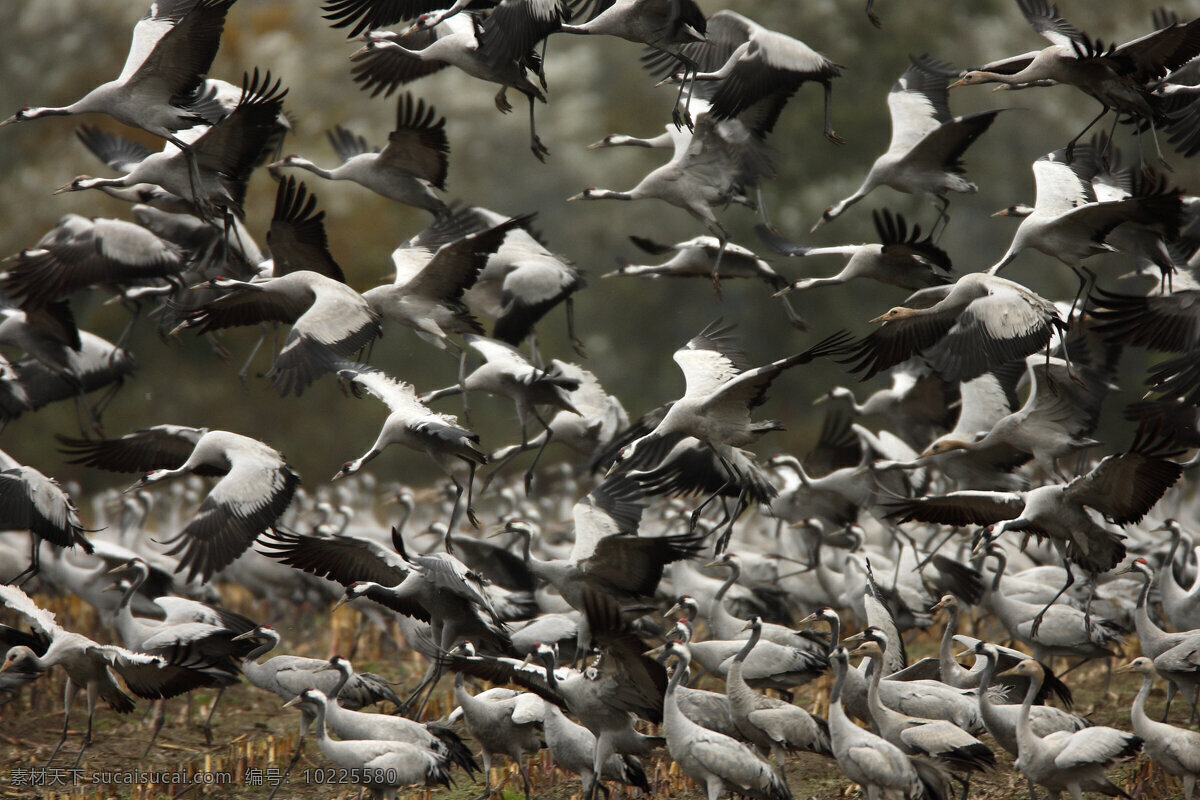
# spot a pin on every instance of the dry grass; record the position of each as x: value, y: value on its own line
x: 252, y: 732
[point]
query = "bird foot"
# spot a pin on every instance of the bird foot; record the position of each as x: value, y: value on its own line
x: 502, y: 102
x: 577, y: 344
x: 474, y: 520
x: 833, y: 137
x: 539, y: 150
x: 206, y: 729
x: 875, y: 20
x: 528, y: 483
x: 716, y: 283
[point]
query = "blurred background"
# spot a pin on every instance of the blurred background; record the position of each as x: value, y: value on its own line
x: 53, y: 51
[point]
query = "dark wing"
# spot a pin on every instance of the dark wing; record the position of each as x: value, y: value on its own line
x: 455, y: 266
x: 31, y: 501
x: 344, y: 559
x: 512, y: 29
x: 245, y: 503
x: 837, y: 445
x: 1169, y: 323
x: 960, y: 508
x: 379, y: 69
x: 236, y: 144
x: 626, y: 565
x: 159, y: 447
x: 639, y: 683
x: 725, y: 32
x: 183, y: 55
x: 1045, y: 20
x: 119, y: 153
x: 348, y: 144
x: 418, y: 145
x: 369, y: 15
x: 899, y: 242
x: 297, y: 234
x: 495, y: 563
x: 1125, y: 486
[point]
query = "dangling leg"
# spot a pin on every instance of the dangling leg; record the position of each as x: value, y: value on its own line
x: 1037, y: 621
x: 35, y: 552
x: 829, y: 134
x: 535, y: 144
x: 1071, y: 144
x: 456, y: 511
x: 68, y: 700
x: 471, y: 494
x: 533, y: 464
x: 797, y: 321
x: 723, y: 239
x: 576, y: 343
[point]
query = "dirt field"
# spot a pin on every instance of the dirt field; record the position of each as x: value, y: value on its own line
x: 253, y: 736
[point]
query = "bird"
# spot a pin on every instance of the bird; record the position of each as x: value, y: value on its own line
x: 901, y: 259
x: 224, y: 155
x: 1176, y: 751
x: 507, y: 372
x: 412, y: 164
x: 1118, y: 76
x: 1073, y: 762
x: 432, y: 277
x: 1173, y: 654
x: 412, y: 424
x: 1123, y: 487
x: 870, y: 760
x: 30, y: 500
x: 924, y: 156
x: 660, y: 24
x: 506, y: 725
x: 962, y: 329
x: 749, y: 62
x: 1070, y: 224
x: 571, y: 746
x: 709, y: 757
x: 89, y: 666
x: 380, y: 765
x: 497, y: 49
x: 767, y: 722
x: 80, y: 252
x: 330, y: 321
x: 173, y: 46
x: 721, y: 391
x: 290, y: 676
x: 256, y: 486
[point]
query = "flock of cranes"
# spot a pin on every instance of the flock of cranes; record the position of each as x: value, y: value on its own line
x: 943, y: 495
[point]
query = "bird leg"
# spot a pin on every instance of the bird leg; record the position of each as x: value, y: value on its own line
x: 487, y: 775
x: 604, y: 749
x: 829, y: 134
x: 535, y: 144
x: 1070, y: 153
x: 576, y: 343
x: 68, y: 700
x: 35, y: 552
x: 523, y: 766
x: 207, y: 726
x: 1171, y: 690
x: 456, y: 511
x: 160, y: 706
x: 538, y: 454
x: 471, y: 494
x: 430, y: 671
x: 943, y: 217
x: 253, y: 352
x: 305, y: 721
x: 723, y: 239
x: 92, y: 691
x: 797, y: 321
x: 1037, y: 621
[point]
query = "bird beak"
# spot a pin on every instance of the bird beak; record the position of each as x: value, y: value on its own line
x: 880, y: 318
x: 7, y: 662
x: 854, y: 637
x: 66, y: 187
x: 116, y: 569
x: 1004, y: 212
x: 341, y: 601
x: 9, y: 121
x: 957, y: 83
x: 277, y: 164
x: 1125, y: 668
x: 527, y: 660
x: 861, y: 650
x: 791, y: 287
x: 716, y: 562
x: 809, y: 620
x: 673, y: 612
x: 656, y: 652
x: 341, y: 473
x: 596, y: 145
x: 133, y: 487
x: 817, y: 227
x: 292, y: 702
x: 243, y: 636
x: 575, y: 197
x: 748, y: 626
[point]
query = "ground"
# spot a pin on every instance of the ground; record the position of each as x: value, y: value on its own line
x: 253, y: 736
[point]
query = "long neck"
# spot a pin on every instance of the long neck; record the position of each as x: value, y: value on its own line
x: 734, y: 574
x: 1146, y: 628
x: 879, y: 712
x: 1138, y: 713
x: 344, y: 676
x: 946, y: 661
x: 835, y: 632
x: 314, y: 169
x: 755, y: 635
x: 1026, y: 738
x: 319, y: 718
x: 251, y: 659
